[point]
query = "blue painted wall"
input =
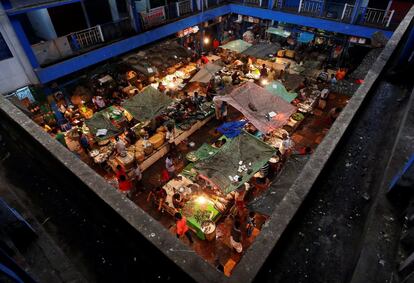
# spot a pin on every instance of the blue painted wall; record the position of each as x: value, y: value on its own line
x: 78, y: 63
x: 348, y: 29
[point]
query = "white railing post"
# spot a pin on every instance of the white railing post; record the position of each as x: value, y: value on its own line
x: 177, y: 6
x: 260, y: 3
x: 344, y: 11
x: 100, y: 33
x: 390, y: 18
x: 191, y: 5
x: 300, y: 6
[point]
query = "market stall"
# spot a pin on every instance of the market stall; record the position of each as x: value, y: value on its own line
x: 206, y: 73
x: 278, y: 32
x: 263, y: 50
x: 265, y: 111
x: 106, y: 123
x: 277, y: 88
x: 235, y: 163
x: 238, y: 45
x: 201, y: 206
x: 147, y: 105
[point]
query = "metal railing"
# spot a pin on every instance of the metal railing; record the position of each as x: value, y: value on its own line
x: 311, y: 7
x: 376, y: 17
x: 86, y: 38
x: 184, y: 8
x: 347, y: 13
x: 257, y: 3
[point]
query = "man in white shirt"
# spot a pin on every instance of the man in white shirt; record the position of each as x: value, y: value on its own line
x: 169, y: 165
x: 99, y: 102
x: 120, y: 147
x: 287, y: 144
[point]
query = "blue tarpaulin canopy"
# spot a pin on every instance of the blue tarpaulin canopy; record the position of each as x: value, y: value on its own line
x: 305, y: 37
x: 232, y: 129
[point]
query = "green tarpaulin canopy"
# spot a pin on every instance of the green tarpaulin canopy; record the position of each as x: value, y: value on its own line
x: 262, y: 50
x: 278, y: 31
x: 225, y: 162
x: 277, y: 88
x: 147, y: 104
x: 236, y: 45
x: 99, y: 121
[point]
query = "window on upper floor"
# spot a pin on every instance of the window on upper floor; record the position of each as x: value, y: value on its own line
x: 5, y: 52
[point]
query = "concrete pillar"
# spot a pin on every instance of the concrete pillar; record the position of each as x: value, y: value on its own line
x: 357, y: 7
x: 134, y: 16
x: 17, y: 71
x: 114, y: 10
x: 271, y: 4
x: 85, y: 13
x: 42, y: 24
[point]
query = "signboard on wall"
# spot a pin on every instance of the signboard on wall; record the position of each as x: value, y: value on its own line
x: 153, y: 17
x: 359, y: 40
x: 188, y: 31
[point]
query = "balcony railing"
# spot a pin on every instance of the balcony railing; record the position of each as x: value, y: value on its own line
x: 51, y: 51
x: 376, y: 17
x: 311, y: 7
x: 336, y: 11
x: 86, y: 38
x: 184, y: 8
x: 347, y: 13
x: 75, y: 43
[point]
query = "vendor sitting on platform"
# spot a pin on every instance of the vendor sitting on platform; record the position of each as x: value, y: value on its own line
x: 197, y: 100
x: 340, y: 74
x: 130, y: 135
x: 99, y: 102
x: 261, y: 183
x: 120, y: 147
x: 158, y: 195
x: 219, y: 143
x: 178, y: 201
x: 323, y: 76
x: 235, y: 78
x: 263, y: 72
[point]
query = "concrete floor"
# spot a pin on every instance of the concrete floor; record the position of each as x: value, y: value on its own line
x: 325, y: 241
x: 310, y: 133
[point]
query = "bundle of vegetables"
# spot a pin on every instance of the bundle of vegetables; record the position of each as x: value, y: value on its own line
x: 298, y: 116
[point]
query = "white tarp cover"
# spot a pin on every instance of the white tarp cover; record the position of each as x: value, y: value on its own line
x: 238, y: 45
x: 206, y: 73
x: 278, y: 31
x: 256, y: 103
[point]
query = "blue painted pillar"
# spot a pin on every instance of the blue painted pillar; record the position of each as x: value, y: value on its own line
x: 322, y: 11
x: 134, y: 15
x: 21, y: 35
x: 271, y: 4
x: 355, y: 12
x: 85, y: 13
x: 195, y: 5
x: 6, y: 4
